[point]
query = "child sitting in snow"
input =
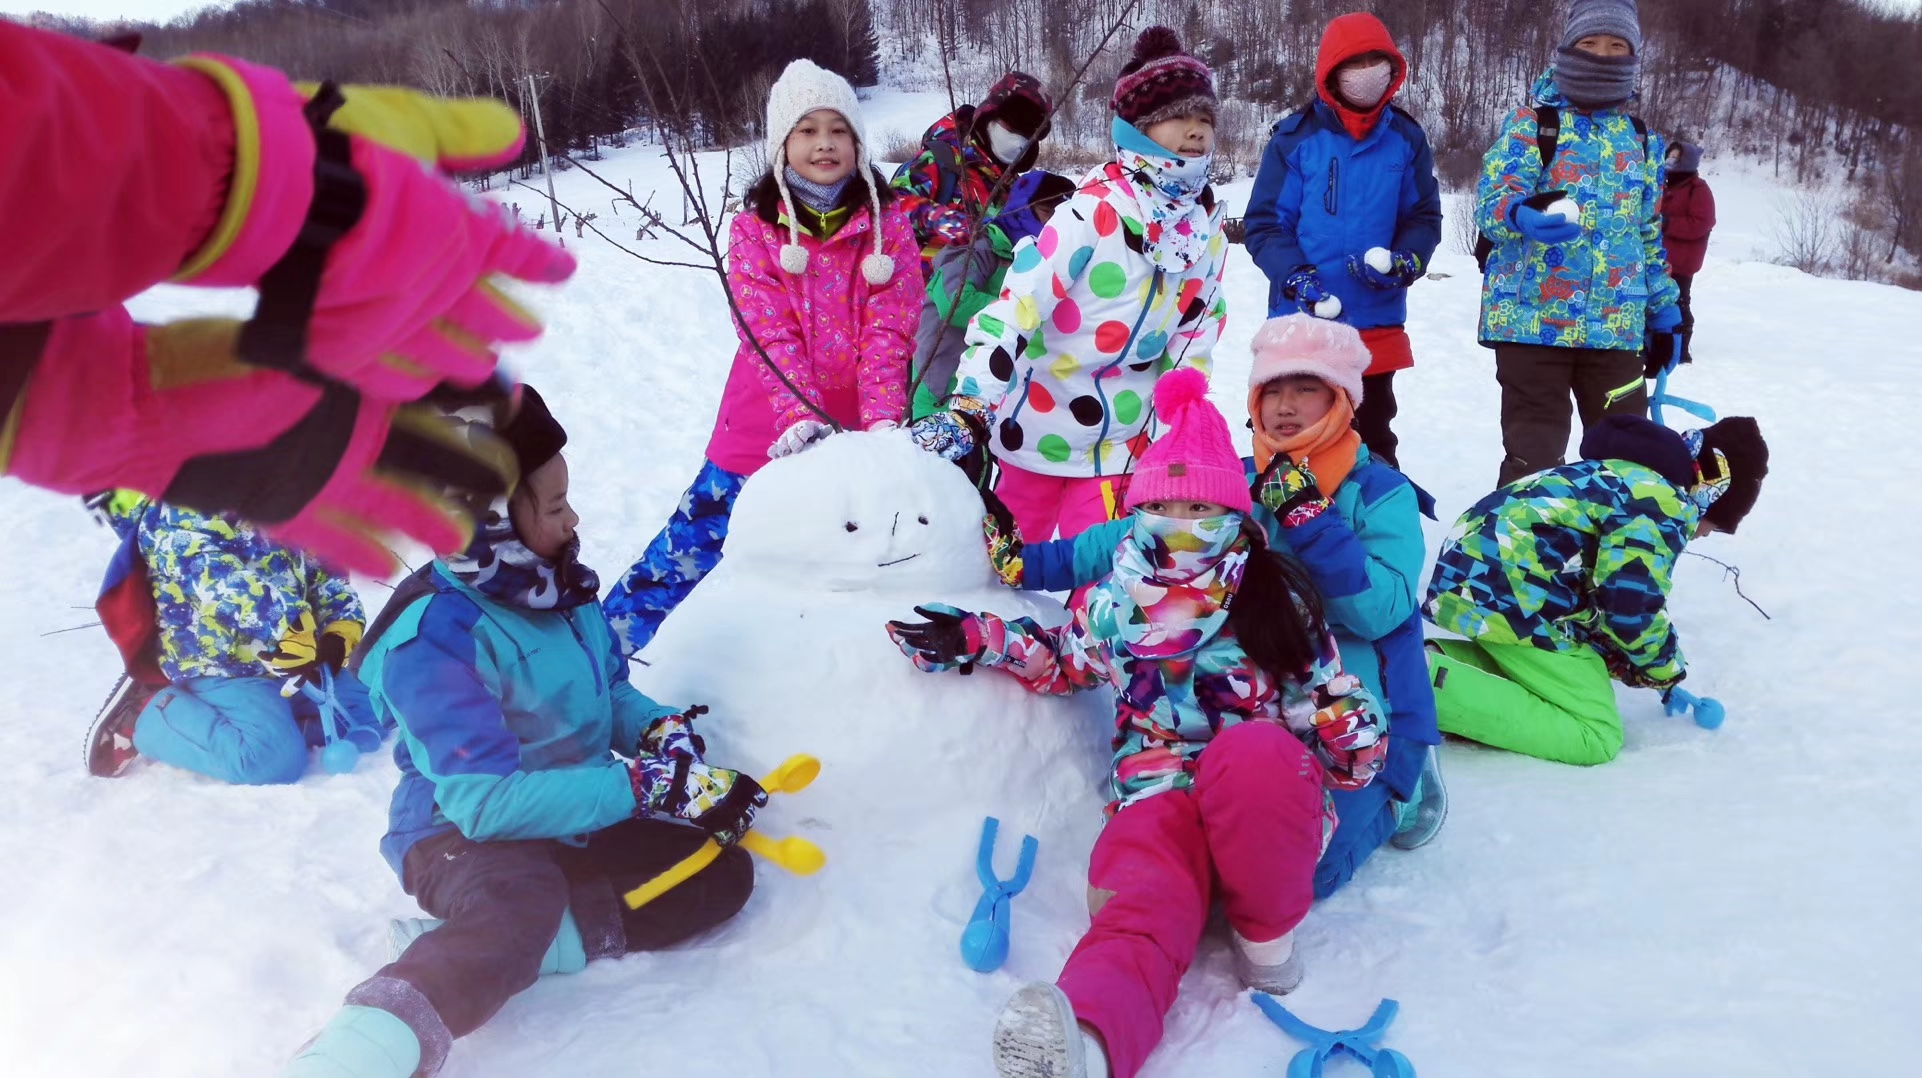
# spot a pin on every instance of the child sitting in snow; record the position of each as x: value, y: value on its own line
x: 1234, y: 719
x: 1559, y: 580
x: 515, y: 820
x: 1123, y: 284
x: 823, y: 267
x: 213, y: 618
x: 967, y: 277
x: 961, y: 177
x: 1364, y: 558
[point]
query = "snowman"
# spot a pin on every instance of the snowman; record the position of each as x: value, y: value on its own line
x: 786, y: 642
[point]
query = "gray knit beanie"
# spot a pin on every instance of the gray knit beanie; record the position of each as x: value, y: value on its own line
x: 1617, y: 17
x: 1688, y: 157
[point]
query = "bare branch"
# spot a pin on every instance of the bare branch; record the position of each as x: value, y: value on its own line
x: 1730, y: 572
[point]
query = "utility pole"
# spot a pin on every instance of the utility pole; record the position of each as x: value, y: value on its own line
x: 540, y: 138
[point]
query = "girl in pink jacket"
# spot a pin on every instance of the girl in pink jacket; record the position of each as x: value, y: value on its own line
x: 827, y: 276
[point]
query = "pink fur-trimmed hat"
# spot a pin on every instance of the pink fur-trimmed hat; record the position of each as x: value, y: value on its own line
x: 1194, y: 460
x: 1304, y: 344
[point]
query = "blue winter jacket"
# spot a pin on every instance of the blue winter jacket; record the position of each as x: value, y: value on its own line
x: 1366, y: 560
x: 1321, y: 196
x: 509, y: 719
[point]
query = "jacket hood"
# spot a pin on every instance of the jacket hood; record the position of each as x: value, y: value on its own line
x: 1347, y: 37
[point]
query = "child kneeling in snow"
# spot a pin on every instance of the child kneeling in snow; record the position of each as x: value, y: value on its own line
x: 823, y: 266
x: 1558, y: 581
x: 515, y: 820
x: 1123, y: 284
x: 1234, y: 719
x: 1364, y: 558
x: 216, y: 616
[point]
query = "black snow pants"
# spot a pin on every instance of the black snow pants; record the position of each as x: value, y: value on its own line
x: 1537, y: 381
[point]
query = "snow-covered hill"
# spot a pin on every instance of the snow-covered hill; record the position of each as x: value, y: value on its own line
x: 1736, y: 903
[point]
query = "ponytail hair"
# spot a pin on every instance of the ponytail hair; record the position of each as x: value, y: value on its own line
x: 1277, y: 614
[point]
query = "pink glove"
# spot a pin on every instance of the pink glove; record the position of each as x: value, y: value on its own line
x: 168, y: 411
x: 405, y: 299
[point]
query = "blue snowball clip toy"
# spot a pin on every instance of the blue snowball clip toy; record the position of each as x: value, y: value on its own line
x: 984, y: 943
x: 1324, y: 1046
x: 345, y: 741
x: 1709, y: 712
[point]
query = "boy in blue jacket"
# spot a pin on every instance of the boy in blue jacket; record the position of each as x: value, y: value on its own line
x: 517, y: 820
x: 1361, y: 543
x: 1347, y: 176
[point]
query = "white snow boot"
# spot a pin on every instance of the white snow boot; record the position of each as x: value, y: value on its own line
x: 1418, y: 821
x: 1036, y: 1036
x: 1273, y: 967
x: 361, y: 1042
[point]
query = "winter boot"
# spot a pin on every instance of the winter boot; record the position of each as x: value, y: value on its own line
x: 1273, y: 967
x: 361, y: 1042
x: 110, y: 750
x: 1036, y: 1037
x: 1419, y: 819
x: 567, y: 954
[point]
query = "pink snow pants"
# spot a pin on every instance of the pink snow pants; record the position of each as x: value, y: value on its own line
x: 1041, y: 503
x: 1249, y: 829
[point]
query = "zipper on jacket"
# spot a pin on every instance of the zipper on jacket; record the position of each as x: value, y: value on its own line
x: 1101, y: 394
x: 1021, y: 401
x: 1331, y: 200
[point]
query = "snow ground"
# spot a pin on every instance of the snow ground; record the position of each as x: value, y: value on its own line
x: 1733, y: 903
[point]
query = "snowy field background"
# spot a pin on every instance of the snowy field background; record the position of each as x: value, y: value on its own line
x: 1729, y: 903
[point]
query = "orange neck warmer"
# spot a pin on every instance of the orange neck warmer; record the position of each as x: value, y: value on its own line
x: 1328, y: 448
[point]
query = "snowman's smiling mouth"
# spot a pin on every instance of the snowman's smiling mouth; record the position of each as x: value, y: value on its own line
x: 897, y: 561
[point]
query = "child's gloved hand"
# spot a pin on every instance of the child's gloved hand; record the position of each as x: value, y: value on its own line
x: 673, y: 737
x: 1289, y: 491
x: 1306, y: 288
x: 302, y: 653
x: 958, y: 435
x: 798, y: 437
x: 1661, y: 344
x: 1544, y: 227
x: 1403, y: 268
x: 949, y: 639
x: 714, y: 799
x: 404, y: 298
x: 1004, y: 540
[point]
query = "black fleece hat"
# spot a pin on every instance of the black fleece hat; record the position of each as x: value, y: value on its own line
x: 1633, y: 438
x: 534, y: 434
x: 1740, y: 440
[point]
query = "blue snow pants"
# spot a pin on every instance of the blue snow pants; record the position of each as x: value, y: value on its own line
x: 686, y: 550
x: 1367, y: 822
x: 240, y: 729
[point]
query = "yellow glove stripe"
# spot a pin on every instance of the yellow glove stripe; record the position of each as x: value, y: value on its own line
x: 348, y: 631
x: 11, y: 429
x: 246, y: 176
x: 442, y: 132
x: 192, y: 351
x: 507, y: 304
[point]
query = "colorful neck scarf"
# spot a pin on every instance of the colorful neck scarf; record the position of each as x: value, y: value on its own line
x: 1328, y: 448
x: 498, y: 565
x: 1173, y: 582
x: 1169, y: 187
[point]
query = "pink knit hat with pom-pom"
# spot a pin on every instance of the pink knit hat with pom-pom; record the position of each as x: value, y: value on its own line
x: 1194, y: 460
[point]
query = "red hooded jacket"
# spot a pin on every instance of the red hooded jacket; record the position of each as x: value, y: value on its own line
x: 1688, y: 215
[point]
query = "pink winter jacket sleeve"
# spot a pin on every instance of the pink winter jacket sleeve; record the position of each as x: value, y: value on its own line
x: 113, y: 174
x: 754, y: 276
x: 893, y: 317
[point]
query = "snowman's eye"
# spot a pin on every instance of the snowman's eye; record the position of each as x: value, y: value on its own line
x: 923, y: 518
x: 852, y: 526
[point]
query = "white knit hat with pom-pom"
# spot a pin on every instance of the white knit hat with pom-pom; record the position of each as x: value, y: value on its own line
x: 801, y: 89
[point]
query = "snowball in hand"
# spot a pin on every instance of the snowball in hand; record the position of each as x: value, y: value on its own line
x: 1566, y: 209
x: 1379, y: 259
x: 1328, y: 308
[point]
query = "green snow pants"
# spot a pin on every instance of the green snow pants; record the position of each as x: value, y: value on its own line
x: 1554, y: 705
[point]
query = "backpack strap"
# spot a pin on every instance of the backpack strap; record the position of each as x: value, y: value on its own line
x: 1548, y: 131
x: 947, y: 169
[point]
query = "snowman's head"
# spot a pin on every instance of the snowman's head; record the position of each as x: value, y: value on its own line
x: 861, y: 512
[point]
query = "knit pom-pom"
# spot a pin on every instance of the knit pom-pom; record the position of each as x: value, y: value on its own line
x: 1156, y: 42
x: 878, y: 269
x: 1178, y: 389
x: 794, y: 258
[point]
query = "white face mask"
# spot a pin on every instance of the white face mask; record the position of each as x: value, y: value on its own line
x: 1005, y: 144
x: 1364, y: 85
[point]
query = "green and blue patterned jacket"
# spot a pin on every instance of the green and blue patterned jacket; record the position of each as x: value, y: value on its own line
x: 1595, y: 291
x: 1577, y: 556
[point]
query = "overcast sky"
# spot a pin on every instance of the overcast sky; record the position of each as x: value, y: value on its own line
x: 145, y: 10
